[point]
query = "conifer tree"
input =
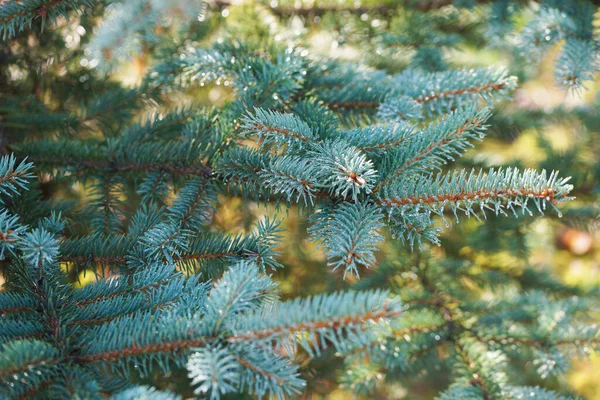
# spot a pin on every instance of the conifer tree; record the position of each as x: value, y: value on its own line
x: 123, y: 182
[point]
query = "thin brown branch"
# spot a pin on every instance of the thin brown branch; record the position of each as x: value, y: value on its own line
x: 122, y: 167
x: 284, y: 132
x: 546, y: 193
x: 14, y: 310
x: 134, y: 350
x: 331, y: 323
x: 122, y: 259
x: 488, y: 87
x: 142, y: 289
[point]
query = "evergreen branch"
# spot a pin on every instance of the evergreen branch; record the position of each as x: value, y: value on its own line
x: 277, y: 129
x: 183, y: 257
x: 318, y: 117
x: 412, y: 226
x: 16, y: 15
x: 310, y: 317
x: 417, y: 355
x: 136, y: 338
x: 236, y: 292
x: 122, y: 167
x: 260, y: 175
x: 211, y: 247
x: 192, y: 207
x: 334, y: 323
x: 577, y: 62
x: 83, y: 302
x: 11, y: 232
x: 354, y: 102
x: 98, y: 249
x: 400, y: 334
x: 440, y: 143
x: 106, y: 204
x: 157, y: 296
x: 461, y: 190
x: 331, y: 323
x: 332, y: 170
x: 135, y: 350
x: 537, y: 342
x: 467, y: 90
x: 15, y: 310
x: 404, y: 95
x: 449, y: 90
x: 342, y: 169
x: 475, y: 367
x: 25, y: 365
x: 546, y: 28
x: 277, y: 378
x: 163, y: 242
x: 14, y: 177
x: 317, y: 146
x: 262, y: 78
x: 35, y: 390
x: 15, y: 329
x: 400, y: 109
x: 444, y: 145
x: 351, y: 235
x: 291, y: 177
x: 468, y: 390
x: 44, y: 355
x: 219, y: 370
x: 255, y: 369
x: 343, y: 105
x: 476, y: 379
x: 377, y: 139
x: 214, y: 371
x: 154, y: 187
x: 118, y: 156
x: 182, y: 124
x: 337, y: 75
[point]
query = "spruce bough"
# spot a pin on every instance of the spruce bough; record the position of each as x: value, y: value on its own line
x: 360, y: 152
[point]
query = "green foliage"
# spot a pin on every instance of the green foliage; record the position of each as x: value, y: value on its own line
x: 16, y: 16
x: 350, y: 233
x: 155, y: 316
x: 571, y: 21
x: 130, y: 183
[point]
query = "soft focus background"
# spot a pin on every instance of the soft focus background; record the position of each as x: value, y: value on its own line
x: 540, y: 127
